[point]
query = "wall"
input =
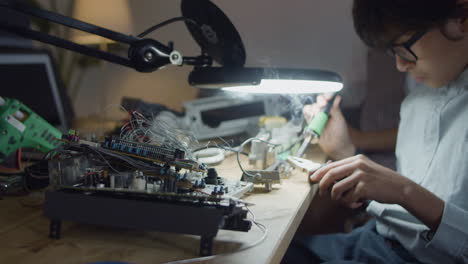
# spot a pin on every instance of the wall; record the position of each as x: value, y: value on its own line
x: 276, y: 33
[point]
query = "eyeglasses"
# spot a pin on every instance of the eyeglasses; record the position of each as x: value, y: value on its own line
x: 403, y: 50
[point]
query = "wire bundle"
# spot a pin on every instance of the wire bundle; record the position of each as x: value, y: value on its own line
x: 156, y: 131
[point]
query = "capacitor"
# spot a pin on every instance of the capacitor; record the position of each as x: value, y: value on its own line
x: 140, y: 184
x: 203, y: 184
x: 174, y: 186
x: 112, y: 181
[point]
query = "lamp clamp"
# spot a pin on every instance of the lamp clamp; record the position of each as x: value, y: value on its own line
x: 144, y: 55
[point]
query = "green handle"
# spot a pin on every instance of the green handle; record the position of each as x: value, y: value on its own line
x: 318, y: 123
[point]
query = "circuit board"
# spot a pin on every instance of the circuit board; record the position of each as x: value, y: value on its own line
x: 121, y: 166
x: 138, y: 185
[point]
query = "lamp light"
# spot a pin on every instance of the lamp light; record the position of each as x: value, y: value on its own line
x: 266, y: 80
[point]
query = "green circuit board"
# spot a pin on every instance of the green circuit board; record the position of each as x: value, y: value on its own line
x: 20, y: 127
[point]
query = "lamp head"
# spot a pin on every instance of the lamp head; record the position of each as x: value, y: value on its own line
x: 219, y: 39
x: 214, y: 32
x: 266, y: 80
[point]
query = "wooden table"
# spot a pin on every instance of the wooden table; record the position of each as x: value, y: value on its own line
x: 24, y: 231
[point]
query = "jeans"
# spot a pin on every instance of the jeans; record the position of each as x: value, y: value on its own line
x: 362, y: 245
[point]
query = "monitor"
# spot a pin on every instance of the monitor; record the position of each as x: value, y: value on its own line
x: 30, y: 76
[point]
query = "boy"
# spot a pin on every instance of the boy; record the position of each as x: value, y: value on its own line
x: 421, y: 210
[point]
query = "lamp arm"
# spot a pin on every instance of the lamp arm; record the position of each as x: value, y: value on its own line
x: 66, y: 44
x: 144, y: 55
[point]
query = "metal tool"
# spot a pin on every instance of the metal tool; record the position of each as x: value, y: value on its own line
x: 307, y: 165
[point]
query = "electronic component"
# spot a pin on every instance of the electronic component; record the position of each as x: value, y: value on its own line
x: 153, y: 153
x: 154, y: 186
x: 159, y: 153
x: 268, y: 178
x: 20, y: 127
x: 220, y: 116
x: 212, y: 177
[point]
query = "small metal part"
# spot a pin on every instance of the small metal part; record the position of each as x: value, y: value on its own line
x: 268, y: 178
x: 176, y: 58
x: 149, y: 56
x: 18, y: 114
x: 306, y: 165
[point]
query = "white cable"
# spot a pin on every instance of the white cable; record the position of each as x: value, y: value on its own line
x: 256, y: 243
x: 209, y: 156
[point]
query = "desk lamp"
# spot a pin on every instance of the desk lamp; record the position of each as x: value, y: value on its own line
x: 214, y: 33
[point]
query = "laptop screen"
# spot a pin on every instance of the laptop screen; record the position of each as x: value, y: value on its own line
x: 31, y: 79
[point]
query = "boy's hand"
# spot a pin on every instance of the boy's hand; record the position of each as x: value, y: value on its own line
x: 357, y: 179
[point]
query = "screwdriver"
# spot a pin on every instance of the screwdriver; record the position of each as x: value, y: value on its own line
x: 315, y: 128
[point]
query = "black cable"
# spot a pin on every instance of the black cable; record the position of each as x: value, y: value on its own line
x: 164, y: 23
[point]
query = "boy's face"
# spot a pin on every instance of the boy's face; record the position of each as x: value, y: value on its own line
x: 440, y: 60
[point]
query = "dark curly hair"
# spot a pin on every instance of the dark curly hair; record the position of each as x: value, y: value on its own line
x: 379, y: 22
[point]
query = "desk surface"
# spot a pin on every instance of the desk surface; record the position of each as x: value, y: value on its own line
x: 24, y: 231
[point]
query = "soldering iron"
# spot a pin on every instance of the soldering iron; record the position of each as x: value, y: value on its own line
x: 315, y: 128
